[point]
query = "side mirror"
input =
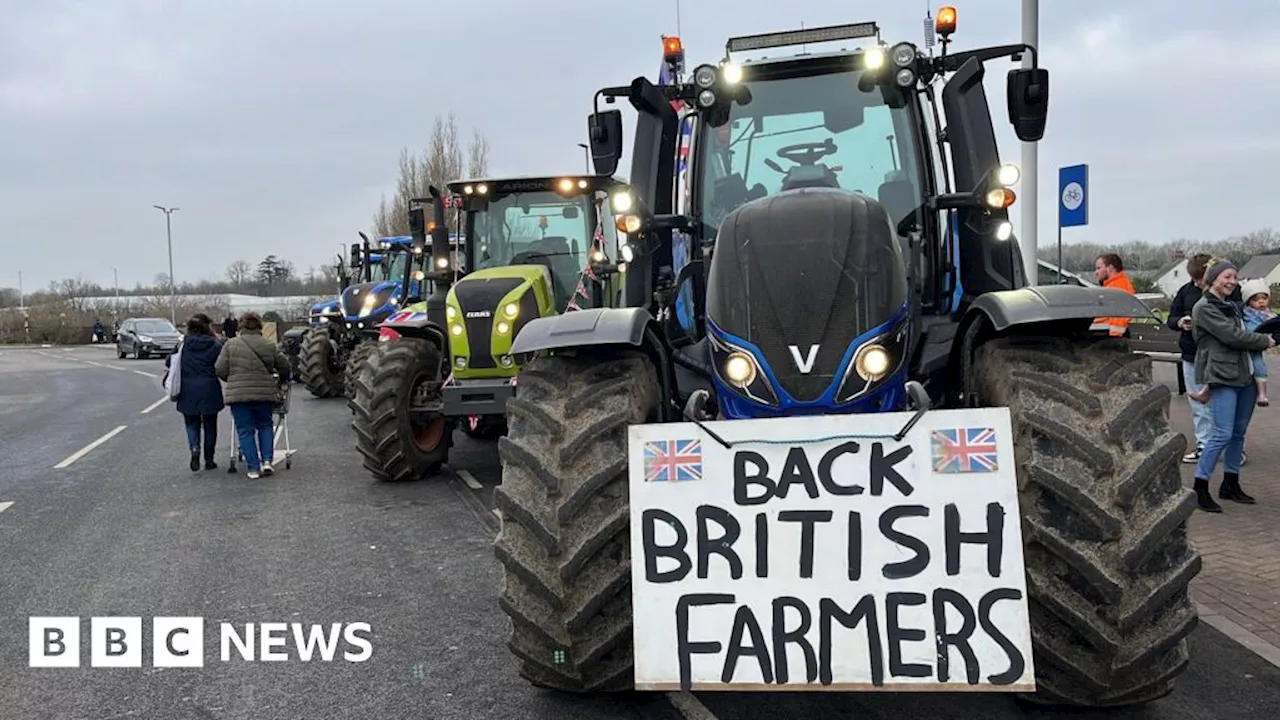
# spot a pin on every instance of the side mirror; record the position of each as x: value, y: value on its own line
x: 355, y: 255
x: 604, y: 132
x: 1028, y: 99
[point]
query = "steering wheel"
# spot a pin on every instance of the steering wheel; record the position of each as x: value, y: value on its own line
x: 807, y: 154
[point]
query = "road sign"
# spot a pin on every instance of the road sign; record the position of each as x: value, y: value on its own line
x: 1073, y: 196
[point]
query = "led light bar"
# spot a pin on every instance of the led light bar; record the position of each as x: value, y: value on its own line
x: 829, y: 33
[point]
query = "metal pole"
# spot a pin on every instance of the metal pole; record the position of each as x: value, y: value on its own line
x: 586, y: 156
x: 1030, y: 160
x: 168, y: 226
x: 22, y: 303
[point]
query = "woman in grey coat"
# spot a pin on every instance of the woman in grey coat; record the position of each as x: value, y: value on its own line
x: 253, y: 368
x: 1224, y: 366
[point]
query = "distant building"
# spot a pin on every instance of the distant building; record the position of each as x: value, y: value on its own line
x: 1266, y: 267
x: 1172, y: 276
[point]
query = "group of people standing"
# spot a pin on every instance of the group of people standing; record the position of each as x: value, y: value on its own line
x: 1223, y: 368
x: 252, y: 368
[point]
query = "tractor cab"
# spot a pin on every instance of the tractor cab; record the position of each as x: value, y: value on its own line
x: 552, y: 222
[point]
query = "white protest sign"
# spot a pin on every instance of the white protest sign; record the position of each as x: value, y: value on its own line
x: 818, y: 553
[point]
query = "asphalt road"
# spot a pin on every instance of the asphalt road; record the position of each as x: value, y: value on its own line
x: 126, y: 529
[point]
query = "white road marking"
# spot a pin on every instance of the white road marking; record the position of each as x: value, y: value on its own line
x: 5, y: 505
x: 154, y: 405
x: 87, y: 448
x: 689, y: 706
x: 497, y: 512
x: 469, y: 479
x: 90, y: 362
x: 147, y: 374
x: 117, y: 367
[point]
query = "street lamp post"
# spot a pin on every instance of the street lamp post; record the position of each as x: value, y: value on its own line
x: 586, y: 156
x: 168, y: 227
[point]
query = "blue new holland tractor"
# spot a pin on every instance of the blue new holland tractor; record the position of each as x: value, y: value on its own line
x: 854, y: 254
x: 345, y: 330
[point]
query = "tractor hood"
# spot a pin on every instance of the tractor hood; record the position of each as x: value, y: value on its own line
x: 490, y: 306
x: 797, y: 277
x: 369, y: 301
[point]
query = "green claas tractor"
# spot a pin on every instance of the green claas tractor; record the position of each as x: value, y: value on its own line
x: 529, y: 248
x: 854, y: 259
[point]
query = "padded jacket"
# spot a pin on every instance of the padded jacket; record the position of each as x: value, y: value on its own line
x: 246, y: 363
x: 1222, y: 343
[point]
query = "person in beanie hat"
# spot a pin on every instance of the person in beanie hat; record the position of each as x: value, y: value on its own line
x: 1223, y: 365
x: 1257, y: 310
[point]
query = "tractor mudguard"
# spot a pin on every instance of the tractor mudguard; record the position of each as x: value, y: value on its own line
x: 583, y: 328
x: 1048, y: 303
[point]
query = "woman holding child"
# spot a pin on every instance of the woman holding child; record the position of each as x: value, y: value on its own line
x: 1225, y: 366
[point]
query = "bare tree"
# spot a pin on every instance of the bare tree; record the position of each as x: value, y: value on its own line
x: 443, y: 161
x: 74, y: 291
x: 239, y: 273
x: 478, y: 155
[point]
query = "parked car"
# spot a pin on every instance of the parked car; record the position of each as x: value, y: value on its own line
x: 144, y: 337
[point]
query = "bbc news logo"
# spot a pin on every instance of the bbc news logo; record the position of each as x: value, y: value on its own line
x: 177, y: 642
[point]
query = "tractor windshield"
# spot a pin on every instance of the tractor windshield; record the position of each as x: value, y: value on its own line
x: 392, y: 266
x: 813, y: 130
x: 542, y: 228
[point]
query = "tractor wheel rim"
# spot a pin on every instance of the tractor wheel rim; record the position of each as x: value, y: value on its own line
x: 427, y: 436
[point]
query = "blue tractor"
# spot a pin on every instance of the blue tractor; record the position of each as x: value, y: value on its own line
x: 344, y: 331
x: 853, y: 255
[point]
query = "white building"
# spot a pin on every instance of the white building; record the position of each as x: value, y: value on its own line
x: 1172, y: 276
x: 1266, y: 267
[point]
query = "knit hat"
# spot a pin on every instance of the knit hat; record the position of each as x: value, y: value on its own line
x: 1254, y: 286
x: 1217, y: 269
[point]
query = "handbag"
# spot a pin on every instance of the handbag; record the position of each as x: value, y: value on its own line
x: 280, y: 385
x: 173, y: 378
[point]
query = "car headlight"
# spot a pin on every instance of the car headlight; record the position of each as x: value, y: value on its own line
x: 874, y: 362
x: 144, y: 338
x: 738, y: 369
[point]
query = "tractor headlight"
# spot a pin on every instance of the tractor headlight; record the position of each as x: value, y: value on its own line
x: 904, y: 55
x: 906, y: 77
x: 1008, y: 175
x: 442, y: 263
x: 739, y: 369
x: 732, y: 73
x: 622, y: 202
x: 450, y: 312
x: 1004, y: 230
x: 460, y: 362
x: 504, y: 327
x: 455, y: 328
x: 704, y: 76
x: 506, y: 361
x: 511, y: 310
x: 706, y: 99
x: 628, y: 254
x: 873, y: 58
x: 872, y: 362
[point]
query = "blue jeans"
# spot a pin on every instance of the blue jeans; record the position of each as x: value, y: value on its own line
x: 1232, y: 409
x: 1200, y: 414
x: 209, y: 423
x: 256, y: 432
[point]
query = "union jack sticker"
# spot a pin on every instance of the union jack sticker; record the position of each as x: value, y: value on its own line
x: 672, y: 460
x: 965, y: 450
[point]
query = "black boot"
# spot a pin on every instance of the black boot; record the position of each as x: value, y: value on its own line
x: 1206, y: 500
x: 1231, y: 490
x: 195, y: 460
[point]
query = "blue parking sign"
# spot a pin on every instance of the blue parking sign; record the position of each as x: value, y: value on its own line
x: 1073, y: 196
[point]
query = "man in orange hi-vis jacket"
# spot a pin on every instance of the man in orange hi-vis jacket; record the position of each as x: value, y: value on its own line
x: 1108, y: 268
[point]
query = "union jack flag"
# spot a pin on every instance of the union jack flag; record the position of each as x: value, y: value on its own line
x: 965, y: 450
x: 672, y: 460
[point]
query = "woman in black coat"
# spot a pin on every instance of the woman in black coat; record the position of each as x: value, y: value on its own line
x: 200, y: 391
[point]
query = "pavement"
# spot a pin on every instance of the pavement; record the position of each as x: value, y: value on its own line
x: 124, y: 528
x: 1239, y: 588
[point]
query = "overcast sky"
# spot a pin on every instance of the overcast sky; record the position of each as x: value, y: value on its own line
x: 276, y: 126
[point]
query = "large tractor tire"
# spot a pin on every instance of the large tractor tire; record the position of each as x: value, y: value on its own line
x: 395, y: 445
x: 316, y: 365
x: 1104, y: 516
x: 565, y: 543
x: 355, y: 361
